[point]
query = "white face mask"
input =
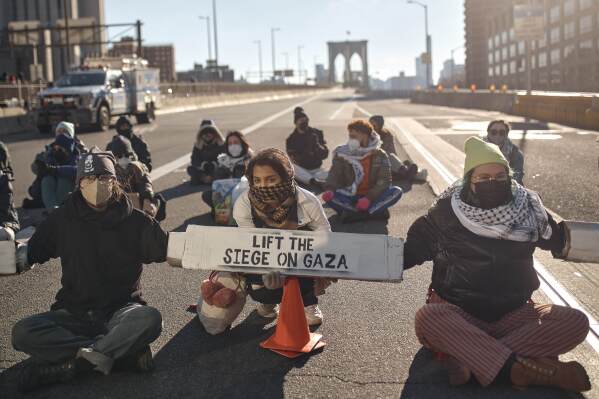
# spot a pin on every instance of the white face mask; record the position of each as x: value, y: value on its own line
x: 97, y: 193
x: 353, y: 144
x: 235, y: 150
x: 124, y: 162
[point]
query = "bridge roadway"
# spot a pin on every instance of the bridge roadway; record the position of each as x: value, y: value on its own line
x: 372, y: 350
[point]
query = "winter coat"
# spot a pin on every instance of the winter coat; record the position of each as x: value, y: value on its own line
x: 8, y: 213
x: 310, y: 214
x: 101, y: 253
x: 342, y: 174
x: 486, y: 277
x: 67, y: 169
x: 5, y: 163
x: 141, y: 149
x: 136, y: 179
x: 209, y: 153
x: 307, y: 149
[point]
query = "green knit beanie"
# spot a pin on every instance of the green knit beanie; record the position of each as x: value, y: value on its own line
x: 479, y: 152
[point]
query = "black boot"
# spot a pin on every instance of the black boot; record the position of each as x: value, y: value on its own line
x: 36, y: 375
x: 141, y: 361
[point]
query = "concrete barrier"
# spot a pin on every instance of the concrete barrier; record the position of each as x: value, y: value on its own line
x: 15, y: 120
x: 501, y: 102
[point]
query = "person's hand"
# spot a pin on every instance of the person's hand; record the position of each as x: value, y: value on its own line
x: 7, y: 234
x: 273, y: 280
x: 321, y: 284
x: 363, y: 204
x: 51, y: 170
x: 149, y: 208
x: 328, y: 196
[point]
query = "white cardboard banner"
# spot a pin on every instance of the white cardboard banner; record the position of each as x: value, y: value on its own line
x: 301, y: 253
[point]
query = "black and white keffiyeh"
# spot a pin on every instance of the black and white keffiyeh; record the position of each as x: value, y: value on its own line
x: 523, y: 219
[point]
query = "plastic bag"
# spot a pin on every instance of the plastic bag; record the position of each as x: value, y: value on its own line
x: 215, y: 319
x: 224, y: 194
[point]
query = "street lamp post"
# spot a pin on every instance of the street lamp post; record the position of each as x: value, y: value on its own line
x: 207, y: 19
x: 429, y: 59
x: 215, y: 32
x: 274, y: 59
x: 299, y: 64
x: 259, y: 43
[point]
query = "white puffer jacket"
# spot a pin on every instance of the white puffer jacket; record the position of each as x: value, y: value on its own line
x: 309, y: 211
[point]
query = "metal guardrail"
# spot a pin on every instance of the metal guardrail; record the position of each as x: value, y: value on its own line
x: 19, y: 94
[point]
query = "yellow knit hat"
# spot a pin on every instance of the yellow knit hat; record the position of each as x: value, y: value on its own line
x: 479, y: 152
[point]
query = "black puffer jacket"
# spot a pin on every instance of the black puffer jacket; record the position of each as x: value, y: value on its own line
x: 486, y: 277
x: 307, y: 149
x: 101, y: 253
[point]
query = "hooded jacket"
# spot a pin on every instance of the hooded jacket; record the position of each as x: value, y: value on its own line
x: 207, y: 152
x: 68, y: 168
x: 101, y: 253
x: 137, y: 142
x: 486, y: 277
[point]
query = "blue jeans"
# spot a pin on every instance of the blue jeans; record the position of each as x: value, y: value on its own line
x: 55, y: 190
x: 342, y: 202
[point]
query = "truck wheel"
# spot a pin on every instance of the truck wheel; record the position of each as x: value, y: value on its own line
x: 103, y: 120
x: 45, y: 129
x: 148, y: 116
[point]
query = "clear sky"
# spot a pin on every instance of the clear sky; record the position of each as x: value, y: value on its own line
x: 393, y: 28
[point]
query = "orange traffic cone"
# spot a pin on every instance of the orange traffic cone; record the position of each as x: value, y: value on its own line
x: 292, y: 338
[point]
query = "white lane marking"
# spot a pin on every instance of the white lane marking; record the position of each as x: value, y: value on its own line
x: 556, y: 292
x: 338, y: 111
x: 183, y: 160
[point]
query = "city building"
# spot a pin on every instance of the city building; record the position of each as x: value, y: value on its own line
x: 41, y: 61
x: 566, y: 58
x: 163, y: 57
x: 476, y: 24
x: 210, y: 73
x: 452, y: 74
x: 321, y: 75
x: 406, y: 83
x: 158, y: 56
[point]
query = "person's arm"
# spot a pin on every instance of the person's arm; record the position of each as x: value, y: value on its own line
x: 420, y: 242
x: 318, y: 219
x: 8, y: 214
x: 66, y: 171
x: 5, y: 163
x: 43, y: 246
x: 143, y: 152
x: 382, y: 179
x: 388, y: 143
x: 291, y: 149
x: 242, y: 211
x: 322, y: 151
x: 557, y: 241
x: 143, y: 183
x: 154, y: 242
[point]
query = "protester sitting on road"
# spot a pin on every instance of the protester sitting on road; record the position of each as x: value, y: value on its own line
x: 275, y: 201
x: 307, y: 149
x: 208, y: 146
x: 35, y: 190
x: 232, y: 162
x: 481, y: 235
x: 497, y: 133
x: 57, y: 169
x: 125, y: 128
x: 99, y: 320
x: 359, y: 183
x: 406, y: 170
x: 134, y: 177
x: 9, y: 220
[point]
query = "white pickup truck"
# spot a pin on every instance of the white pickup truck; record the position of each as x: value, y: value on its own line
x: 101, y: 89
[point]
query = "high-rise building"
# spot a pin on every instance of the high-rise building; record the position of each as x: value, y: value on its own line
x: 17, y: 60
x: 566, y: 58
x: 476, y: 24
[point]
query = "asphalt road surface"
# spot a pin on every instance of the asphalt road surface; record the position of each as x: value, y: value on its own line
x: 369, y: 327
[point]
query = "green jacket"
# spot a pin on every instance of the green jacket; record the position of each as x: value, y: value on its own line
x: 341, y: 174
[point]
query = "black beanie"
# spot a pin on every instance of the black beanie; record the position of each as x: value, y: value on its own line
x: 96, y: 163
x: 122, y: 120
x: 298, y: 113
x: 121, y: 146
x: 378, y: 119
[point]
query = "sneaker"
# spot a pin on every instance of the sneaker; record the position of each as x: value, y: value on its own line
x: 141, y: 361
x: 313, y: 315
x: 421, y: 175
x: 268, y: 311
x: 36, y: 375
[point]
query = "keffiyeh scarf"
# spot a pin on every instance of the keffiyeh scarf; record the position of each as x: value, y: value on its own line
x: 273, y: 216
x: 354, y: 158
x: 523, y: 219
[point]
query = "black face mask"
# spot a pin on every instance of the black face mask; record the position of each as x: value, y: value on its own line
x: 124, y: 130
x: 303, y: 126
x: 493, y: 193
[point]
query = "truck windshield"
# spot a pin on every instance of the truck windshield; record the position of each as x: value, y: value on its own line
x: 82, y: 79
